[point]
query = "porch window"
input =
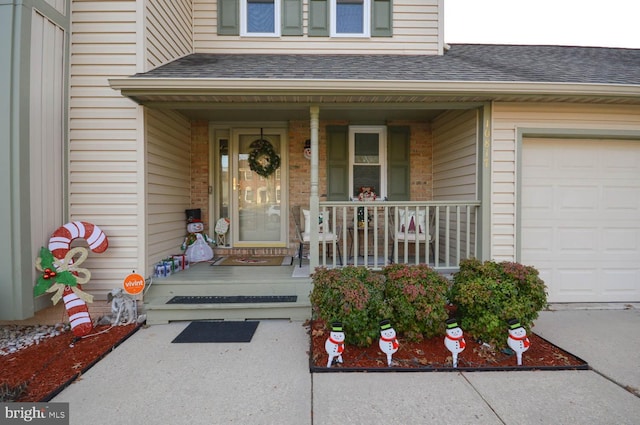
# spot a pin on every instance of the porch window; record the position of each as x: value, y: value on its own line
x: 350, y: 18
x: 367, y: 148
x: 260, y: 17
x: 375, y: 156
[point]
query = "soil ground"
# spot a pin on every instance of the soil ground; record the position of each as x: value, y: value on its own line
x: 431, y: 354
x: 38, y: 372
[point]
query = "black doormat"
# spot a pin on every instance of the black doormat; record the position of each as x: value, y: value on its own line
x: 217, y: 332
x: 234, y: 299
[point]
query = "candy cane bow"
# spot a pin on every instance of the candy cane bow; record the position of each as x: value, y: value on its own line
x: 60, y: 273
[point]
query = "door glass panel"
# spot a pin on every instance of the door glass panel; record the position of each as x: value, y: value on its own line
x: 259, y: 209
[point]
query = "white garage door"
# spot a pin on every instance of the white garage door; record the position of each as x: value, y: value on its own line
x: 581, y: 218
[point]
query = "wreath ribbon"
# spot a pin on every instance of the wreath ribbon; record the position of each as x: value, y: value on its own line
x: 69, y: 273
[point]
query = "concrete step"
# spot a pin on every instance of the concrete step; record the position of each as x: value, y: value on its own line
x: 159, y: 312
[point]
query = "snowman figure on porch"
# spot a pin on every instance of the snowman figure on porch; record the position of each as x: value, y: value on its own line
x: 196, y: 244
x: 334, y: 345
x: 388, y: 342
x: 517, y: 340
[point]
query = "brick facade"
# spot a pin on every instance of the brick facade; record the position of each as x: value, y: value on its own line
x: 300, y: 171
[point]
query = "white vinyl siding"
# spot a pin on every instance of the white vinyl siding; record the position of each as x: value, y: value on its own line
x: 455, y: 165
x: 169, y: 32
x: 46, y: 131
x: 507, y: 117
x: 105, y: 169
x: 455, y: 140
x: 416, y: 29
x: 168, y: 136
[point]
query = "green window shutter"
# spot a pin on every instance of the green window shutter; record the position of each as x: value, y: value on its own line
x: 228, y: 17
x: 381, y: 18
x: 318, y: 18
x: 291, y: 17
x: 337, y: 163
x: 398, y: 171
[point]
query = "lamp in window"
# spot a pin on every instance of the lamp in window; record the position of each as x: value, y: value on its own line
x: 307, y: 149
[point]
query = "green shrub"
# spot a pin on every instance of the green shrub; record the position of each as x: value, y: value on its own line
x: 488, y: 294
x: 417, y: 295
x: 353, y: 296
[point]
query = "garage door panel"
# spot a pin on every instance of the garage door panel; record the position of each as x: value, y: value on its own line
x: 581, y: 240
x: 580, y: 221
x: 576, y: 199
x: 617, y: 241
x: 618, y: 197
x: 621, y: 280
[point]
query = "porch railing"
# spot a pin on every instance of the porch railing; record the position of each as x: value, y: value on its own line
x: 374, y: 234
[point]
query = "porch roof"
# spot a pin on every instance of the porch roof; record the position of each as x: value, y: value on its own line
x: 466, y: 72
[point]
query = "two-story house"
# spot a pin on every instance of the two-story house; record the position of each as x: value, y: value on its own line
x: 127, y: 113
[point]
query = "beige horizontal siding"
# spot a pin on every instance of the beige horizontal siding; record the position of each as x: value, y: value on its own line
x: 455, y: 155
x: 168, y: 136
x: 455, y: 147
x: 104, y: 161
x: 416, y: 27
x: 507, y: 118
x: 169, y: 31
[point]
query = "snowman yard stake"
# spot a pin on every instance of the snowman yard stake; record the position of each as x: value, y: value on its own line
x: 517, y: 340
x: 334, y: 345
x: 388, y: 342
x: 454, y: 340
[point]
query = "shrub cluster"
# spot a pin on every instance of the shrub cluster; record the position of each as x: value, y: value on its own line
x: 417, y: 297
x: 413, y: 297
x: 353, y: 296
x: 488, y: 294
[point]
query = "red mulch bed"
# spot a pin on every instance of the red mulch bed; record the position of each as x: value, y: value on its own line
x: 431, y: 355
x: 50, y: 366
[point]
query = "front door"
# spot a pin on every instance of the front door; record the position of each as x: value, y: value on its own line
x: 258, y: 200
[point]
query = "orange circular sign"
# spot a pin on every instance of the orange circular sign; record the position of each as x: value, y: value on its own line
x: 133, y: 284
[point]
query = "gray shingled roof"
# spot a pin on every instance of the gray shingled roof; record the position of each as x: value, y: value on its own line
x: 462, y: 62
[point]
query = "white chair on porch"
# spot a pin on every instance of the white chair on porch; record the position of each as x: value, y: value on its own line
x: 412, y: 228
x: 326, y: 234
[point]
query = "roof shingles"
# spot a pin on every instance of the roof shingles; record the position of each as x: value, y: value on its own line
x: 462, y: 62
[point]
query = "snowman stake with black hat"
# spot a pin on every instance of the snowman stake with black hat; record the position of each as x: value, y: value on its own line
x: 517, y: 340
x: 334, y: 345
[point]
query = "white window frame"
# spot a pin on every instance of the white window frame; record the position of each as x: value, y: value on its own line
x: 244, y: 21
x: 366, y: 16
x: 381, y: 131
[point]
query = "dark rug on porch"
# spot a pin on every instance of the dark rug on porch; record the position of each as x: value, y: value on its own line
x: 217, y: 332
x: 254, y: 260
x: 233, y: 299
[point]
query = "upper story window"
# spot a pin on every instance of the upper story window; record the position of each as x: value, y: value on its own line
x: 260, y: 18
x: 350, y: 18
x: 276, y: 18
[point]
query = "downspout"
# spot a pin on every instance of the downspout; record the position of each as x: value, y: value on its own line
x: 314, y: 199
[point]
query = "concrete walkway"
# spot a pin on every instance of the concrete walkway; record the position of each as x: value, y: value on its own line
x: 148, y: 380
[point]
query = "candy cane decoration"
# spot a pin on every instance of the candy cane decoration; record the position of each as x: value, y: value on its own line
x: 59, y: 245
x: 60, y: 241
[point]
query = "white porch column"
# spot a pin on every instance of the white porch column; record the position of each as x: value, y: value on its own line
x: 314, y: 198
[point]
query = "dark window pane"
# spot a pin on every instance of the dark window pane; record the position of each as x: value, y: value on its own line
x: 367, y: 148
x: 366, y: 175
